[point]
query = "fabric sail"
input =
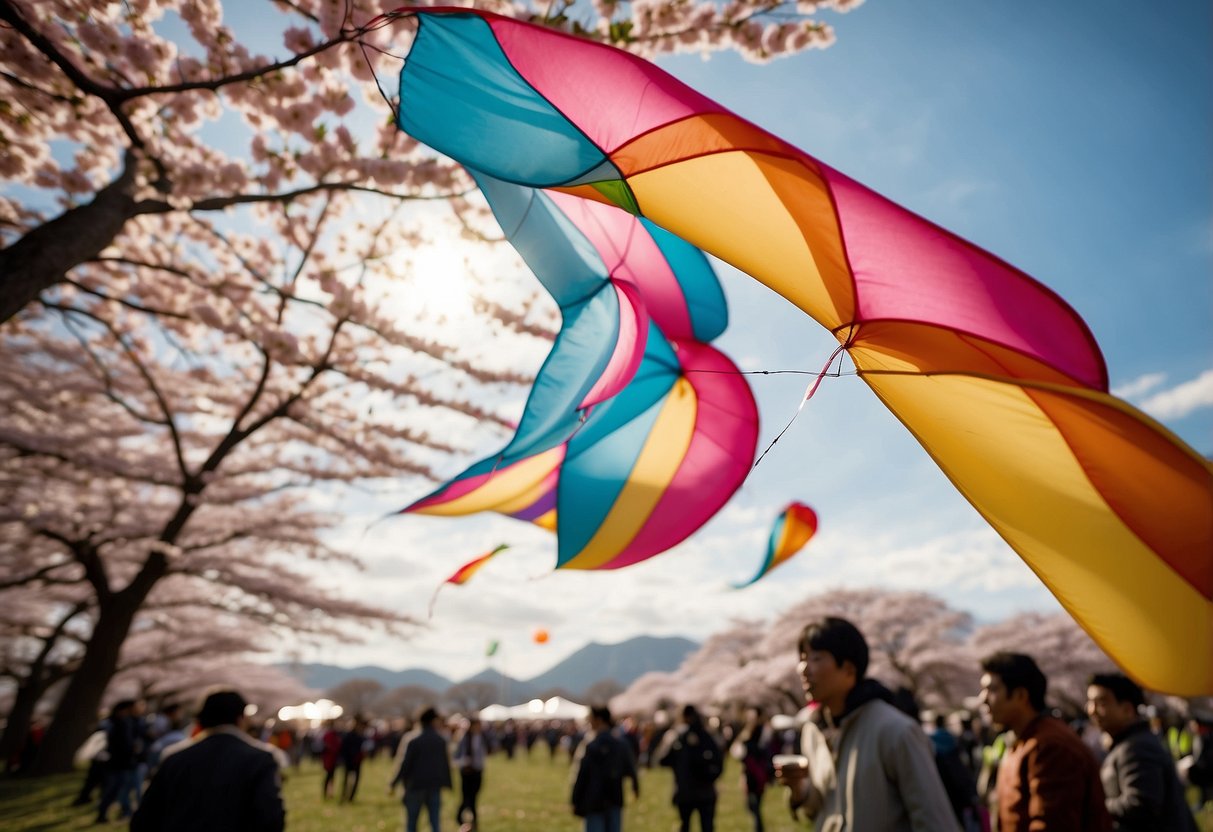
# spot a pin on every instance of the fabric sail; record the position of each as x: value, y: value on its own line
x: 999, y: 380
x: 636, y: 430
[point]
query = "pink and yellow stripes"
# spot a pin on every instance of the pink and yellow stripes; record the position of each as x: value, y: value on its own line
x: 999, y: 379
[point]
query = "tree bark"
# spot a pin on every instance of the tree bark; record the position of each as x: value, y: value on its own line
x: 46, y: 254
x: 77, y: 712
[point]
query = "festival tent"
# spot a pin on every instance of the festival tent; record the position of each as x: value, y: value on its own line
x: 555, y: 708
x: 495, y: 713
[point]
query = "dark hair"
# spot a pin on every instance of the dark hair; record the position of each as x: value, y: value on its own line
x: 1017, y: 670
x: 691, y: 715
x: 601, y: 713
x: 840, y: 638
x: 428, y: 716
x: 121, y: 705
x: 221, y: 707
x: 1121, y: 687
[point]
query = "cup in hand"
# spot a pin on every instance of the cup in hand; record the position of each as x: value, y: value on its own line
x: 790, y: 767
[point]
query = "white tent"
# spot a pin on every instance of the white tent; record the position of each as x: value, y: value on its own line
x: 555, y: 708
x: 495, y: 713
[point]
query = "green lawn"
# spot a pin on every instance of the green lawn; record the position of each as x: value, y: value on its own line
x: 523, y: 795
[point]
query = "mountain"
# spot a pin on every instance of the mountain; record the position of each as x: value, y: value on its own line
x: 325, y: 676
x: 508, y: 689
x: 621, y: 663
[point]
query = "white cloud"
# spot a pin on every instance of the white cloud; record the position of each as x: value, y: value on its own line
x: 1182, y: 399
x: 1139, y: 386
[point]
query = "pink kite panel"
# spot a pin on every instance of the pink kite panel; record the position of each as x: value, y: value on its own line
x: 629, y: 252
x: 909, y: 269
x: 726, y: 430
x: 558, y: 65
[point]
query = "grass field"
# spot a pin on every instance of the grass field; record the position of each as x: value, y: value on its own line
x: 522, y: 795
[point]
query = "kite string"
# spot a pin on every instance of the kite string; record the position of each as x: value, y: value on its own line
x: 808, y: 394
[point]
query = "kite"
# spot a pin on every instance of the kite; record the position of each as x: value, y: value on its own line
x: 540, y: 636
x: 464, y: 573
x: 793, y: 528
x: 998, y: 379
x: 636, y: 430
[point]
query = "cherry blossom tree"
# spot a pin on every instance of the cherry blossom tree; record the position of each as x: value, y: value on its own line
x: 406, y: 701
x: 178, y: 417
x: 916, y: 641
x: 357, y: 696
x: 202, y: 249
x: 469, y: 697
x: 1065, y: 653
x: 132, y: 88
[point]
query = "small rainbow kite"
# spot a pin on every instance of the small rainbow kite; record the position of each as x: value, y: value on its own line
x: 464, y: 573
x: 793, y: 528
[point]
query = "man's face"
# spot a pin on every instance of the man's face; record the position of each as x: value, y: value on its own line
x: 996, y: 701
x: 822, y: 677
x: 1107, y: 712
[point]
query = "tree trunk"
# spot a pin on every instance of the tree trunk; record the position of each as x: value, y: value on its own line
x: 77, y: 712
x: 46, y: 254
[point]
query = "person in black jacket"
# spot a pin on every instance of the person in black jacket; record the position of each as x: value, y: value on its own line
x: 425, y: 770
x: 697, y: 762
x: 1142, y: 789
x: 221, y: 779
x: 122, y: 735
x: 601, y: 764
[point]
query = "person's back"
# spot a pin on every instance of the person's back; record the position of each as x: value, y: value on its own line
x: 425, y: 764
x: 598, y: 784
x: 224, y: 781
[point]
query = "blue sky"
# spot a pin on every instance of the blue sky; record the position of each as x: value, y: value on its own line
x: 1071, y: 139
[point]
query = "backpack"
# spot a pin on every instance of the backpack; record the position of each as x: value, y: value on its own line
x: 706, y: 761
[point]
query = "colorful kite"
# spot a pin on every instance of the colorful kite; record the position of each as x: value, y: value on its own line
x: 793, y: 528
x: 464, y: 573
x: 636, y: 430
x: 999, y: 380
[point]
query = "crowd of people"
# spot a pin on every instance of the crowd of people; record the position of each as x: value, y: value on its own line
x: 861, y: 757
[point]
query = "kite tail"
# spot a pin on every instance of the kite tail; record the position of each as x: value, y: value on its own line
x: 808, y: 394
x: 433, y: 598
x: 379, y: 520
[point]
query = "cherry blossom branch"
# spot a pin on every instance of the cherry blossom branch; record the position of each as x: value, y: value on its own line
x: 155, y: 206
x: 39, y: 575
x: 152, y: 387
x: 88, y: 557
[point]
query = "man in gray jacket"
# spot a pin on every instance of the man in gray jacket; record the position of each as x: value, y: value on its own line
x: 1141, y: 788
x: 869, y: 766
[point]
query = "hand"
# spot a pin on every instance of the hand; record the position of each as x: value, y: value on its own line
x: 791, y: 769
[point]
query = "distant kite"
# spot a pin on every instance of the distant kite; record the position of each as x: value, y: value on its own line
x: 464, y: 573
x: 998, y: 379
x: 793, y: 528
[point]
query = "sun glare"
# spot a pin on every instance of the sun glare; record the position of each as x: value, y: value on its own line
x: 436, y: 282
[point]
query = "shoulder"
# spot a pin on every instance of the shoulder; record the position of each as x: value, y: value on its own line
x: 880, y: 716
x: 1054, y: 742
x: 1141, y: 745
